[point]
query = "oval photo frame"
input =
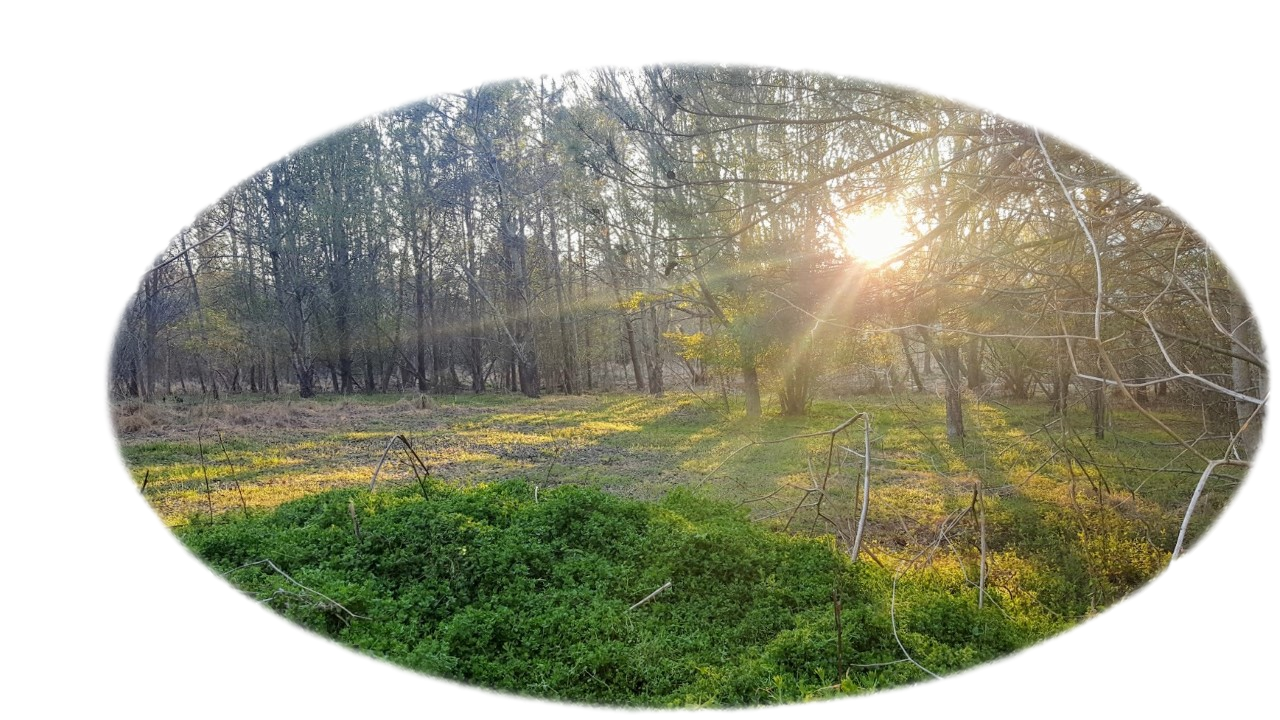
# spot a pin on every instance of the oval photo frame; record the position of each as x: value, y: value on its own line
x: 136, y: 482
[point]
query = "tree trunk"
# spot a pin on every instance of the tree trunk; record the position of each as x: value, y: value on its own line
x: 569, y: 368
x: 420, y: 311
x: 475, y: 346
x: 291, y: 293
x: 133, y: 377
x: 751, y: 386
x: 655, y: 353
x: 794, y: 395
x: 911, y: 363
x: 1061, y: 381
x: 151, y: 289
x: 437, y: 351
x: 340, y: 284
x: 584, y: 291
x: 973, y: 364
x: 1098, y: 407
x: 195, y: 295
x: 950, y: 363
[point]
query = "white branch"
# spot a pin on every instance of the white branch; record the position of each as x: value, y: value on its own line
x: 866, y: 484
x: 1195, y: 498
x: 651, y: 595
x: 1093, y: 245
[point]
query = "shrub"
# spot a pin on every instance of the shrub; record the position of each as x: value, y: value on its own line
x: 487, y: 586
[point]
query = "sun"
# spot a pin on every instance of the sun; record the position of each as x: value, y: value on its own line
x: 874, y: 237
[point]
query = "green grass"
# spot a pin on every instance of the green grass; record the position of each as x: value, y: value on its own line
x: 1072, y: 523
x: 489, y: 586
x: 641, y: 447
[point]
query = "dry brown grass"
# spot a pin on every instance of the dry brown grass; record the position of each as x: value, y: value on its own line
x: 133, y: 417
x: 301, y: 414
x: 135, y: 420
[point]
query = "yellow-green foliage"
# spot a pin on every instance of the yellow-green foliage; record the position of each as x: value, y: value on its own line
x: 716, y: 350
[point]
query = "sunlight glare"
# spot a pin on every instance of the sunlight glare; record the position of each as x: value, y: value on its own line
x: 874, y: 237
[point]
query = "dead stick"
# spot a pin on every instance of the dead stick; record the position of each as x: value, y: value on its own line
x: 651, y: 596
x: 413, y: 452
x: 416, y: 475
x: 426, y: 471
x: 208, y: 492
x: 866, y: 484
x: 234, y: 473
x: 875, y: 559
x: 980, y: 501
x: 383, y: 459
x: 288, y: 577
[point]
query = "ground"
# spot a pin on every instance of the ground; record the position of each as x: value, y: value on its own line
x: 1117, y: 502
x: 980, y: 547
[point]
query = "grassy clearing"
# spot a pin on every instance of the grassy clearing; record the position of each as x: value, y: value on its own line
x: 1071, y: 523
x: 641, y: 447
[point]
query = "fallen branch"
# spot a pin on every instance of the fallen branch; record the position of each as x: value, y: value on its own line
x: 288, y: 577
x: 652, y: 595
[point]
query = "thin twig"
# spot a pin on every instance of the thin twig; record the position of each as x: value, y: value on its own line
x: 234, y: 474
x: 425, y: 469
x: 288, y: 577
x: 208, y: 491
x: 651, y: 595
x: 412, y: 452
x: 381, y: 460
x: 893, y: 625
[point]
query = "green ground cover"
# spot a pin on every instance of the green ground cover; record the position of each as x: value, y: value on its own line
x: 1070, y: 525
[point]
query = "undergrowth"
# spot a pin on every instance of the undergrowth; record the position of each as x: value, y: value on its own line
x: 532, y: 594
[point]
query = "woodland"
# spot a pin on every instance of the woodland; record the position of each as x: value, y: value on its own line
x: 688, y: 385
